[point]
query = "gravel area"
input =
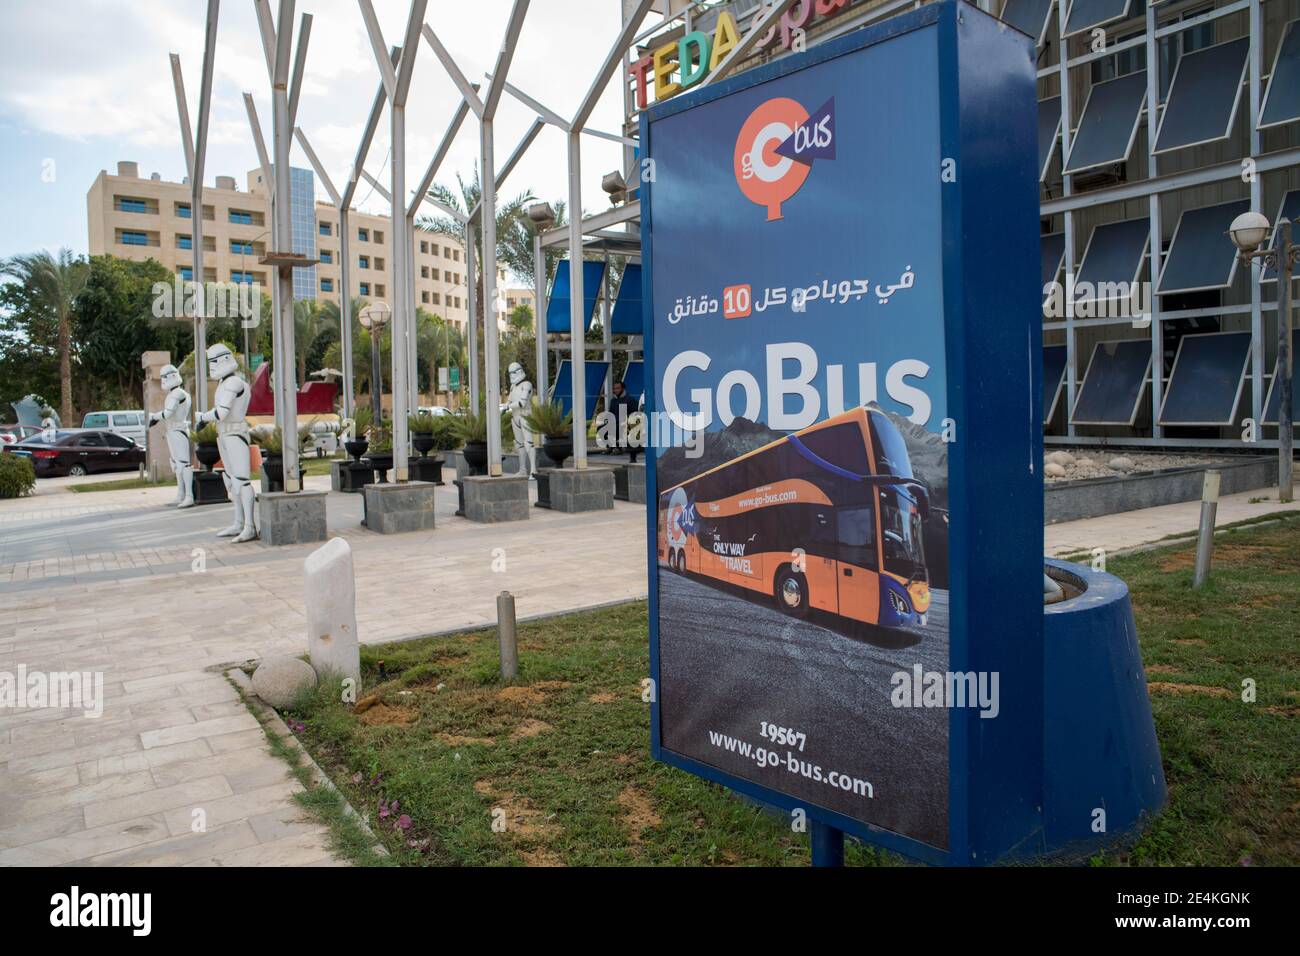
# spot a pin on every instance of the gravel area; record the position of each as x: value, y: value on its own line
x: 1071, y: 465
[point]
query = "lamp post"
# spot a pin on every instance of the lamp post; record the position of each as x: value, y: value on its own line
x: 373, y: 318
x: 543, y: 217
x: 1248, y: 232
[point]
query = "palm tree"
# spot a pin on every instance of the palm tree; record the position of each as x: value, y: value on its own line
x: 53, y: 284
x: 309, y: 323
x: 511, y: 220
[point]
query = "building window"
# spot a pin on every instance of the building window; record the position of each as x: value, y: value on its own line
x: 424, y: 248
x: 424, y: 297
x: 379, y: 236
x: 365, y: 288
x: 183, y: 210
x: 363, y: 262
x: 434, y: 247
x: 241, y: 218
x: 424, y: 272
x: 127, y: 204
x: 133, y: 238
x: 184, y: 242
x: 239, y: 248
x: 455, y: 255
x: 327, y: 285
x: 325, y: 229
x: 379, y: 290
x: 437, y: 298
x: 363, y: 235
x: 187, y: 274
x: 1188, y: 41
x: 379, y: 263
x: 446, y: 275
x: 326, y: 257
x: 242, y: 277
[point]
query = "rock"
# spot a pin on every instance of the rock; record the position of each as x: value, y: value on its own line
x: 332, y: 611
x: 1060, y: 458
x: 280, y: 680
x: 1053, y: 470
x: 1120, y: 463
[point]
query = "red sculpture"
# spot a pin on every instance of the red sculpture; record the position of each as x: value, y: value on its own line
x: 314, y: 398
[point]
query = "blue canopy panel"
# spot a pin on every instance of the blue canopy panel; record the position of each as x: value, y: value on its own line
x: 1054, y: 357
x: 1205, y: 384
x: 1282, y: 98
x: 1049, y: 130
x: 1203, y: 97
x: 1109, y: 123
x: 1115, y: 253
x: 562, y: 391
x: 627, y: 318
x: 557, y: 309
x: 1289, y: 209
x: 1201, y: 256
x: 634, y: 380
x: 1028, y: 16
x: 1114, y: 384
x: 1273, y: 402
x: 1086, y: 14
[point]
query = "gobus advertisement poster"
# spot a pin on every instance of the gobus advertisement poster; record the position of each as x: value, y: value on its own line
x: 800, y: 342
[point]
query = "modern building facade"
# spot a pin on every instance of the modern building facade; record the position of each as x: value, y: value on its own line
x: 1159, y: 121
x: 138, y: 218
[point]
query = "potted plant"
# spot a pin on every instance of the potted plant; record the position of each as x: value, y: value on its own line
x: 421, y: 426
x: 271, y: 442
x: 357, y: 444
x: 549, y: 420
x: 205, y: 445
x: 471, y: 430
x: 380, y: 455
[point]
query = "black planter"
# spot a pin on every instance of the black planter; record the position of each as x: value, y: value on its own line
x: 356, y: 448
x: 557, y: 449
x: 273, y: 468
x: 427, y: 469
x: 208, y: 454
x: 381, y: 462
x: 423, y: 444
x: 476, y: 457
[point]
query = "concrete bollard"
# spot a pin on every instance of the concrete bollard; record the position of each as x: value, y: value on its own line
x: 1205, y: 536
x: 506, y: 636
x: 331, y: 599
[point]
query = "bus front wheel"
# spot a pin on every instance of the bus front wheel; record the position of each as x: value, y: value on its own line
x: 791, y: 592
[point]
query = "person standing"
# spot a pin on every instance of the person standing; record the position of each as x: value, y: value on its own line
x: 622, y: 407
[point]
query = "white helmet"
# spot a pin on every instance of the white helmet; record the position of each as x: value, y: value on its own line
x: 171, y: 377
x: 221, y: 361
x: 517, y: 374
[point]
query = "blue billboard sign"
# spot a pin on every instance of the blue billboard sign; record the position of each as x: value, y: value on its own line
x: 846, y: 539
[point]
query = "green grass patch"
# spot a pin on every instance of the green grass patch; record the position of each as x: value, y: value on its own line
x: 559, y: 760
x: 124, y: 484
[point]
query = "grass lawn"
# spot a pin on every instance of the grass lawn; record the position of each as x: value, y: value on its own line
x: 309, y: 466
x: 559, y: 760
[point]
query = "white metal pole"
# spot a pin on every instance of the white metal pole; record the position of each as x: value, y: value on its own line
x: 539, y: 313
x: 491, y: 358
x: 471, y: 241
x: 283, y: 223
x: 577, y: 330
x: 345, y: 313
x: 401, y: 319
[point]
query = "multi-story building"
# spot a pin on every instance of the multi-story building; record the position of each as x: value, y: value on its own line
x: 137, y: 218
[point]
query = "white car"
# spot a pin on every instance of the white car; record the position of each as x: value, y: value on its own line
x: 129, y: 424
x: 434, y: 410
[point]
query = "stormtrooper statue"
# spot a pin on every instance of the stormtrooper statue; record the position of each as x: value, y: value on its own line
x: 176, y: 414
x: 230, y: 411
x: 520, y: 401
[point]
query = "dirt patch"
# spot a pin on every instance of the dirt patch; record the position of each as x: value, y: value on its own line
x: 1189, y: 689
x: 530, y: 728
x: 1224, y: 553
x: 455, y: 740
x: 530, y: 693
x: 540, y: 857
x: 521, y: 819
x: 1162, y: 669
x: 1283, y: 711
x: 365, y: 703
x: 384, y: 715
x: 1190, y: 642
x: 604, y: 697
x: 638, y: 812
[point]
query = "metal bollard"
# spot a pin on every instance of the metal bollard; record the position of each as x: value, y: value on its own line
x: 506, y: 635
x: 1205, y: 537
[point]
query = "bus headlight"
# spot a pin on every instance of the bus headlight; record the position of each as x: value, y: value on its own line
x: 899, y: 603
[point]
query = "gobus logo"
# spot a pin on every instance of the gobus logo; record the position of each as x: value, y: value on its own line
x: 776, y: 148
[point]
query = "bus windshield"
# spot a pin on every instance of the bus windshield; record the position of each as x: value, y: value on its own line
x: 900, y: 528
x: 890, y: 448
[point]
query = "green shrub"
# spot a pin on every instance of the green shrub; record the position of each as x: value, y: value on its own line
x: 207, y: 435
x: 421, y: 423
x: 548, y: 419
x: 17, y: 476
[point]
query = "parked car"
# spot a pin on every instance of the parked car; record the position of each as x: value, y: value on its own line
x: 78, y: 451
x: 434, y: 410
x: 131, y: 424
x: 12, y: 434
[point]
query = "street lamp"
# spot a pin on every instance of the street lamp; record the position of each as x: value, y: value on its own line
x: 373, y: 318
x: 1248, y: 232
x: 543, y: 217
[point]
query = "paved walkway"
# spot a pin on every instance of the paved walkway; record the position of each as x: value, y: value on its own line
x: 174, y: 737
x: 109, y: 582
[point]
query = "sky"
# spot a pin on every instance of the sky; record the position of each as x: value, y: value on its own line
x: 85, y: 83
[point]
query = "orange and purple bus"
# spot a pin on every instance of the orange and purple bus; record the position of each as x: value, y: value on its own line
x: 829, y: 518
